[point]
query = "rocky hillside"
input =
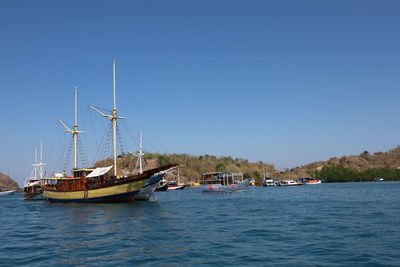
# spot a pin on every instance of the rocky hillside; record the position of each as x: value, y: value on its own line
x: 364, y: 161
x: 191, y: 167
x: 8, y: 183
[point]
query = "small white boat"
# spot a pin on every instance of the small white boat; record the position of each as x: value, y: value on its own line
x: 271, y: 182
x: 147, y: 191
x: 313, y: 182
x: 175, y: 186
x: 33, y: 188
x: 8, y: 192
x: 223, y: 182
x: 290, y: 183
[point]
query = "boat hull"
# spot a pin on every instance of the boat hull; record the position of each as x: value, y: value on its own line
x: 34, y: 196
x: 117, y: 193
x: 5, y: 193
x: 177, y: 187
x: 296, y: 184
x: 313, y: 182
x: 146, y: 192
x: 33, y: 192
x: 148, y: 189
x: 224, y: 188
x: 163, y: 187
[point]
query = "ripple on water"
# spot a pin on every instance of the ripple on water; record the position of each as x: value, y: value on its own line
x: 326, y: 225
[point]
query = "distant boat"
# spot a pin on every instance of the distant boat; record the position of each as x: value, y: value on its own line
x: 147, y: 191
x: 290, y: 183
x: 378, y: 179
x: 223, y: 182
x: 252, y: 182
x: 7, y: 192
x: 314, y: 181
x: 267, y: 181
x: 162, y: 185
x: 271, y: 182
x: 33, y: 189
x: 176, y: 185
x: 310, y: 181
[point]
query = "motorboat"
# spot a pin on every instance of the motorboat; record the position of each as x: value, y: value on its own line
x: 223, y: 182
x: 290, y: 183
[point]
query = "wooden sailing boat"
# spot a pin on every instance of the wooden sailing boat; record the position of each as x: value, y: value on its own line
x: 95, y: 185
x: 33, y: 185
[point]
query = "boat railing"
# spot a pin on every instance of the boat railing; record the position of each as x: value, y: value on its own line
x: 223, y: 178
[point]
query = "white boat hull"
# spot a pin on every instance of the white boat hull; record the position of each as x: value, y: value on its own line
x: 178, y: 187
x: 36, y: 197
x: 147, y: 192
x: 292, y: 184
x: 10, y: 192
x: 314, y: 182
x: 224, y: 188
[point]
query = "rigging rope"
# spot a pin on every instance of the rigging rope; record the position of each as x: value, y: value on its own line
x: 120, y: 141
x: 94, y: 76
x: 108, y: 141
x: 143, y: 114
x: 69, y: 151
x: 81, y: 154
x: 136, y: 139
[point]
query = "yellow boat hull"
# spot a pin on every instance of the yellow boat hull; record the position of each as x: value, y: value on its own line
x: 116, y: 193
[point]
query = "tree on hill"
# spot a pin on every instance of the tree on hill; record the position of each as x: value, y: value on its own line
x: 191, y: 166
x: 220, y: 167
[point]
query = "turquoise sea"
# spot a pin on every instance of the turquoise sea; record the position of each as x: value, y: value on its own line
x: 342, y: 224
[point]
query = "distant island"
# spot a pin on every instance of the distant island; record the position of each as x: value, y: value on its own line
x: 7, y: 183
x: 356, y: 168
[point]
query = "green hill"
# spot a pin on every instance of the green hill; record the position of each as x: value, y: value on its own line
x: 363, y: 167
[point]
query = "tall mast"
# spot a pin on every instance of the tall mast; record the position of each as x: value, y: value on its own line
x: 38, y: 166
x: 113, y: 117
x: 41, y: 160
x: 35, y: 162
x: 114, y: 121
x: 76, y: 125
x: 141, y: 154
x: 75, y: 130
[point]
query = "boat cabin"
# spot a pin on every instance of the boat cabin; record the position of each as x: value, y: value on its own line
x: 223, y: 178
x: 81, y: 172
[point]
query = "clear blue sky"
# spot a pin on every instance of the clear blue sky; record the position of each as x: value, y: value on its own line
x: 286, y: 82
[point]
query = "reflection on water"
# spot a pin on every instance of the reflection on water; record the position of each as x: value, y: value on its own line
x: 328, y: 224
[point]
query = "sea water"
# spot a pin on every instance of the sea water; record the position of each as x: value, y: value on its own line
x: 342, y: 224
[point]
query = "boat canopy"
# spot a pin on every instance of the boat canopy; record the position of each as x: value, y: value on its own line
x: 99, y: 171
x: 221, y: 177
